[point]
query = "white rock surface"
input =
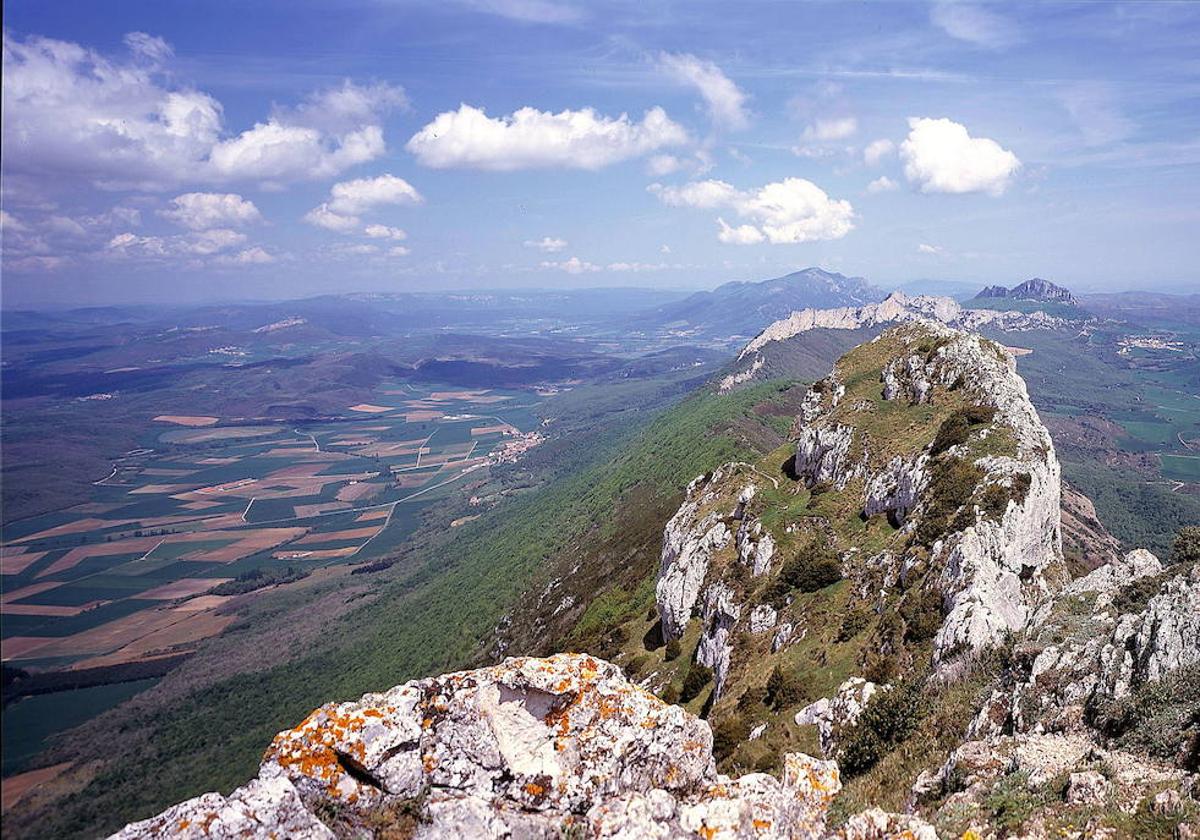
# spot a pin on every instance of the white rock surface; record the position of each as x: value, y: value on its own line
x: 832, y: 714
x: 528, y: 748
x: 689, y: 541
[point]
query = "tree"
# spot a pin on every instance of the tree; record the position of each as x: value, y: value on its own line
x: 1186, y: 548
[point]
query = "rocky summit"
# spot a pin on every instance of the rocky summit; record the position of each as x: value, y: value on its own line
x: 545, y: 748
x: 868, y: 632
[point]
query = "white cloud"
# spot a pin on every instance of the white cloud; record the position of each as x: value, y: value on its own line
x: 349, y: 199
x: 200, y: 211
x: 10, y: 223
x: 638, y: 267
x: 384, y: 232
x: 877, y: 150
x: 940, y: 156
x: 248, y: 256
x: 530, y: 11
x: 547, y: 244
x: 739, y: 235
x: 126, y: 123
x: 973, y: 23
x: 931, y: 250
x: 783, y: 212
x: 532, y: 139
x: 322, y: 216
x: 572, y: 266
x: 199, y: 244
x: 832, y: 128
x: 352, y: 198
x: 726, y: 101
x: 882, y: 184
x: 398, y: 251
x: 149, y: 47
x: 665, y: 249
x: 660, y: 165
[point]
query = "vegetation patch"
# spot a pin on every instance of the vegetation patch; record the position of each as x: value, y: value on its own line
x: 956, y: 428
x: 952, y: 483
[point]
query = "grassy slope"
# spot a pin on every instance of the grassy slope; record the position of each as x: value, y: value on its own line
x: 429, y: 621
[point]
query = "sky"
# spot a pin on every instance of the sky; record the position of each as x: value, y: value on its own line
x: 185, y: 151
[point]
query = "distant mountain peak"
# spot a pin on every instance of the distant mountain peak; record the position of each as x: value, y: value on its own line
x: 1033, y: 289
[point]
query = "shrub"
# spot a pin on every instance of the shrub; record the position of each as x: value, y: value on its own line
x: 784, y: 690
x: 673, y: 650
x: 956, y: 428
x: 813, y: 567
x: 952, y: 483
x: 634, y: 667
x: 995, y: 497
x: 853, y: 623
x: 697, y: 678
x: 728, y: 735
x: 1133, y: 596
x: 922, y: 614
x: 1161, y: 718
x: 670, y: 694
x: 752, y: 699
x: 1186, y: 547
x: 887, y: 720
x: 1011, y: 802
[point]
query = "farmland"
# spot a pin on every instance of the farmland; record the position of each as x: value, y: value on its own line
x: 129, y: 576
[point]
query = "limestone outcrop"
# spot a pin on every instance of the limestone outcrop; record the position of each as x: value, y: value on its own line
x: 529, y: 748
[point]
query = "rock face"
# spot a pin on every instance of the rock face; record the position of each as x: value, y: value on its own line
x: 1035, y: 289
x: 528, y: 748
x: 897, y: 308
x: 990, y: 572
x: 832, y: 714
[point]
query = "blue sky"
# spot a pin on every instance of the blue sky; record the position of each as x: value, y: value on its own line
x: 192, y: 151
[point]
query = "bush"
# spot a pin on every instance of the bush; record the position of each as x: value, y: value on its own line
x: 634, y: 667
x: 1011, y: 802
x: 995, y: 498
x: 785, y: 690
x: 697, y: 678
x: 888, y: 719
x: 956, y: 428
x: 728, y: 735
x: 1186, y: 547
x: 752, y: 699
x: 952, y: 483
x: 813, y: 567
x: 673, y: 650
x: 670, y: 694
x: 922, y: 614
x: 1161, y: 718
x: 853, y: 623
x: 1133, y: 596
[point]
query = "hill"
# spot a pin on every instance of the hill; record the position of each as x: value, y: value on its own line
x: 741, y: 309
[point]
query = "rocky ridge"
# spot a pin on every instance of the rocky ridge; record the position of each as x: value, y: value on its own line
x: 896, y: 308
x: 530, y: 748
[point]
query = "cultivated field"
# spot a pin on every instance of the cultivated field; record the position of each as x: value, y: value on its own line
x: 208, y: 501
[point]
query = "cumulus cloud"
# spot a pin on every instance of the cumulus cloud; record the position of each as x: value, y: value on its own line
x: 660, y: 165
x: 572, y: 266
x: 547, y: 244
x: 200, y: 211
x: 739, y: 234
x: 726, y: 102
x: 384, y: 232
x: 248, y: 256
x: 783, y: 212
x: 877, y: 150
x: 638, y: 267
x: 832, y: 128
x: 531, y: 139
x: 974, y: 23
x: 199, y: 244
x: 322, y: 216
x: 349, y: 199
x: 930, y: 250
x: 940, y: 156
x: 882, y: 184
x: 125, y: 123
